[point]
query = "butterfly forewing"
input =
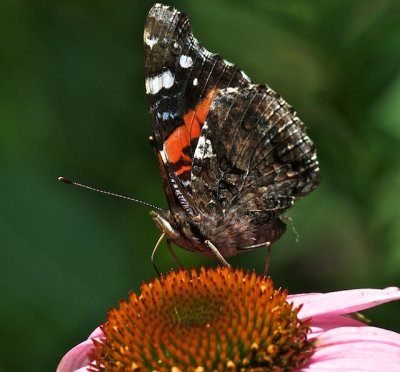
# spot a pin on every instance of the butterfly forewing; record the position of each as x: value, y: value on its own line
x: 182, y: 79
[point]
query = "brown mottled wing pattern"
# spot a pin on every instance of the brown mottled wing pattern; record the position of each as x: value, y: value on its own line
x: 182, y: 79
x: 253, y: 156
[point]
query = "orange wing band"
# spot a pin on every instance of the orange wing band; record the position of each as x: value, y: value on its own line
x: 190, y: 129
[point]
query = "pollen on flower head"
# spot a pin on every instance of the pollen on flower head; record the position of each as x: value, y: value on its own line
x: 217, y: 319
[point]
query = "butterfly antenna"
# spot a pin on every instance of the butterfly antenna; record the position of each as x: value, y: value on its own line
x: 68, y: 181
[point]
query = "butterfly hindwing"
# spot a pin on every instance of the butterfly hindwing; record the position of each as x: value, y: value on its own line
x: 253, y: 153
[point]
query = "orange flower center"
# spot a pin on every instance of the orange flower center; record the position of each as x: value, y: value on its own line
x: 218, y: 319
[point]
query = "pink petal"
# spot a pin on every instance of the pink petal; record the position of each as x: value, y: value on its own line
x: 323, y: 324
x: 342, y: 302
x: 356, y: 349
x: 80, y: 356
x: 97, y: 333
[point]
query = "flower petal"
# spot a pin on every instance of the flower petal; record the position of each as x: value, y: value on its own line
x: 356, y: 349
x: 342, y: 302
x: 323, y: 324
x: 80, y: 356
x: 97, y: 333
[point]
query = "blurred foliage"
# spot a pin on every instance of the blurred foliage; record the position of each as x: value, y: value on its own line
x: 72, y: 103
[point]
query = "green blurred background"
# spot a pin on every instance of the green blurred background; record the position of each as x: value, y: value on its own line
x: 72, y: 103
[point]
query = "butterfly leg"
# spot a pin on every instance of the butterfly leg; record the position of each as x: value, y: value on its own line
x: 171, y: 251
x: 218, y: 255
x: 154, y: 252
x: 267, y: 258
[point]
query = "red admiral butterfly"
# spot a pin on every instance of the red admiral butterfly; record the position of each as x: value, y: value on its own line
x: 233, y: 156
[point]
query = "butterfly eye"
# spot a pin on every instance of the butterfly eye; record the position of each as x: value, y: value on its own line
x: 175, y: 47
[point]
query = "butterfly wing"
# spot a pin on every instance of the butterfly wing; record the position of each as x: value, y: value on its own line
x: 182, y: 79
x: 254, y: 158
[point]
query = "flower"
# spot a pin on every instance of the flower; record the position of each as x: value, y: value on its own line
x: 220, y: 319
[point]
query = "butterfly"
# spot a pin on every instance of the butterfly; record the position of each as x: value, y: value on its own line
x: 233, y: 155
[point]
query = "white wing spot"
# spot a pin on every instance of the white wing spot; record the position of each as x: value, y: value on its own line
x: 167, y: 115
x: 185, y: 61
x: 155, y: 83
x: 151, y: 41
x: 208, y: 152
x: 201, y: 144
x: 163, y: 156
x: 232, y: 90
x: 195, y: 81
